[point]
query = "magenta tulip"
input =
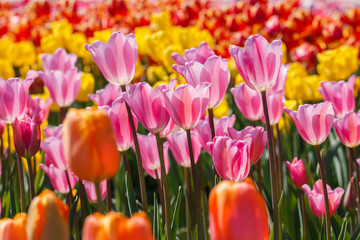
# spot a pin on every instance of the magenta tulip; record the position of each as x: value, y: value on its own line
x: 38, y: 107
x: 313, y: 122
x: 340, y: 94
x: 259, y: 63
x: 317, y: 201
x: 91, y: 190
x: 214, y: 71
x: 60, y: 60
x: 297, y: 172
x: 199, y: 54
x: 13, y: 98
x: 348, y: 129
x: 248, y: 101
x: 256, y: 140
x: 107, y: 95
x: 275, y: 104
x: 58, y: 178
x: 231, y: 158
x: 116, y: 59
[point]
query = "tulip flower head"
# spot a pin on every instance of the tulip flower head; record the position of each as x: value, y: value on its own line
x: 38, y: 107
x: 297, y: 172
x: 60, y: 60
x: 107, y: 95
x: 13, y: 229
x: 91, y: 190
x: 275, y: 103
x: 199, y: 54
x: 348, y: 129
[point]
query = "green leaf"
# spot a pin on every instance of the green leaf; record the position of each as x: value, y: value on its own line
x: 175, y: 219
x: 73, y: 212
x: 12, y: 201
x: 355, y: 234
x: 343, y: 230
x: 130, y: 196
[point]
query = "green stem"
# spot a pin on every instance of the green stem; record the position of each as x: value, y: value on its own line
x: 126, y: 164
x: 351, y: 171
x: 212, y: 129
x: 280, y: 161
x: 31, y: 178
x: 71, y: 202
x: 189, y: 203
x: 357, y: 180
x: 158, y: 181
x: 100, y: 206
x: 304, y: 221
x: 108, y: 191
x: 258, y: 170
x: 82, y: 200
x: 62, y: 114
x: 21, y: 182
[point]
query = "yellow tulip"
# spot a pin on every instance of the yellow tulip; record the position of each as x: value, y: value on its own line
x: 160, y: 21
x: 101, y: 35
x: 222, y: 110
x: 50, y: 43
x: 5, y: 48
x: 6, y: 69
x: 87, y: 86
x: 23, y: 53
x: 76, y: 44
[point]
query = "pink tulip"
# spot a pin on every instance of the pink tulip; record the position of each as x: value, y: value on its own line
x: 214, y: 71
x: 59, y: 61
x: 2, y: 127
x: 340, y: 94
x: 63, y: 86
x: 199, y: 54
x: 248, y: 101
x: 275, y: 104
x: 179, y: 147
x: 297, y: 172
x: 231, y: 158
x: 148, y: 105
x: 117, y: 58
x: 107, y: 95
x: 358, y: 161
x: 27, y: 136
x: 280, y: 83
x: 187, y: 104
x: 58, y: 178
x: 317, y: 201
x: 13, y: 98
x: 256, y: 140
x: 38, y: 107
x: 348, y: 129
x: 259, y: 63
x: 53, y: 131
x: 54, y: 151
x: 220, y: 125
x: 91, y: 190
x: 150, y: 155
x: 313, y: 122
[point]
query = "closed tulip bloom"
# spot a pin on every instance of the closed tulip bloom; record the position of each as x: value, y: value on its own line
x: 13, y: 229
x: 27, y: 136
x: 199, y: 54
x: 297, y: 172
x: 60, y: 60
x: 275, y: 103
x: 89, y: 141
x: 107, y: 95
x: 214, y: 71
x: 348, y: 129
x: 13, y: 98
x: 186, y: 105
x: 248, y: 101
x: 237, y: 211
x: 91, y: 190
x: 220, y: 125
x: 313, y: 122
x: 317, y: 201
x: 150, y: 155
x: 256, y: 140
x: 116, y: 59
x: 340, y: 94
x: 48, y: 218
x: 38, y: 107
x: 179, y: 147
x: 114, y: 226
x: 231, y: 158
x: 259, y: 63
x: 63, y: 86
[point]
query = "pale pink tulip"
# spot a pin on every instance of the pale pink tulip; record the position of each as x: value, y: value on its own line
x: 317, y: 201
x: 348, y: 129
x: 358, y: 161
x: 297, y: 172
x: 340, y: 94
x: 107, y: 95
x: 275, y: 104
x: 53, y: 131
x: 280, y: 83
x: 313, y: 122
x: 117, y: 58
x: 259, y: 63
x: 38, y: 107
x: 91, y: 190
x: 60, y: 60
x: 58, y: 178
x: 199, y: 54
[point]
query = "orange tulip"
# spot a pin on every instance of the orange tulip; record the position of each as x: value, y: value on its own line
x: 13, y: 229
x: 48, y: 218
x: 237, y: 210
x: 89, y: 145
x: 116, y: 226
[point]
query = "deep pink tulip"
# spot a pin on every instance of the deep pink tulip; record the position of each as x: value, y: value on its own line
x: 63, y: 86
x: 107, y: 95
x: 231, y: 158
x: 340, y: 94
x: 317, y: 201
x: 91, y: 190
x: 275, y: 103
x: 60, y: 60
x: 148, y: 105
x: 256, y: 140
x: 186, y: 105
x: 313, y: 122
x: 297, y: 172
x: 248, y: 101
x: 199, y: 54
x: 259, y: 63
x: 179, y: 147
x: 348, y: 129
x: 2, y: 127
x: 280, y: 83
x: 150, y: 155
x: 214, y: 71
x: 220, y: 125
x: 38, y: 107
x: 58, y: 178
x: 27, y: 136
x: 117, y: 58
x: 13, y: 98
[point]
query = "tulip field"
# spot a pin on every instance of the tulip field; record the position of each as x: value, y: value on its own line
x: 179, y: 119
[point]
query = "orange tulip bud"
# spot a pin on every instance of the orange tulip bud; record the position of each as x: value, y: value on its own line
x: 89, y: 145
x: 237, y: 210
x: 13, y: 229
x: 48, y: 218
x: 116, y: 226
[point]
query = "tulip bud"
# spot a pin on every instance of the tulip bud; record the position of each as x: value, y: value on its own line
x: 13, y: 229
x: 297, y: 172
x: 350, y: 196
x: 48, y: 218
x: 89, y: 141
